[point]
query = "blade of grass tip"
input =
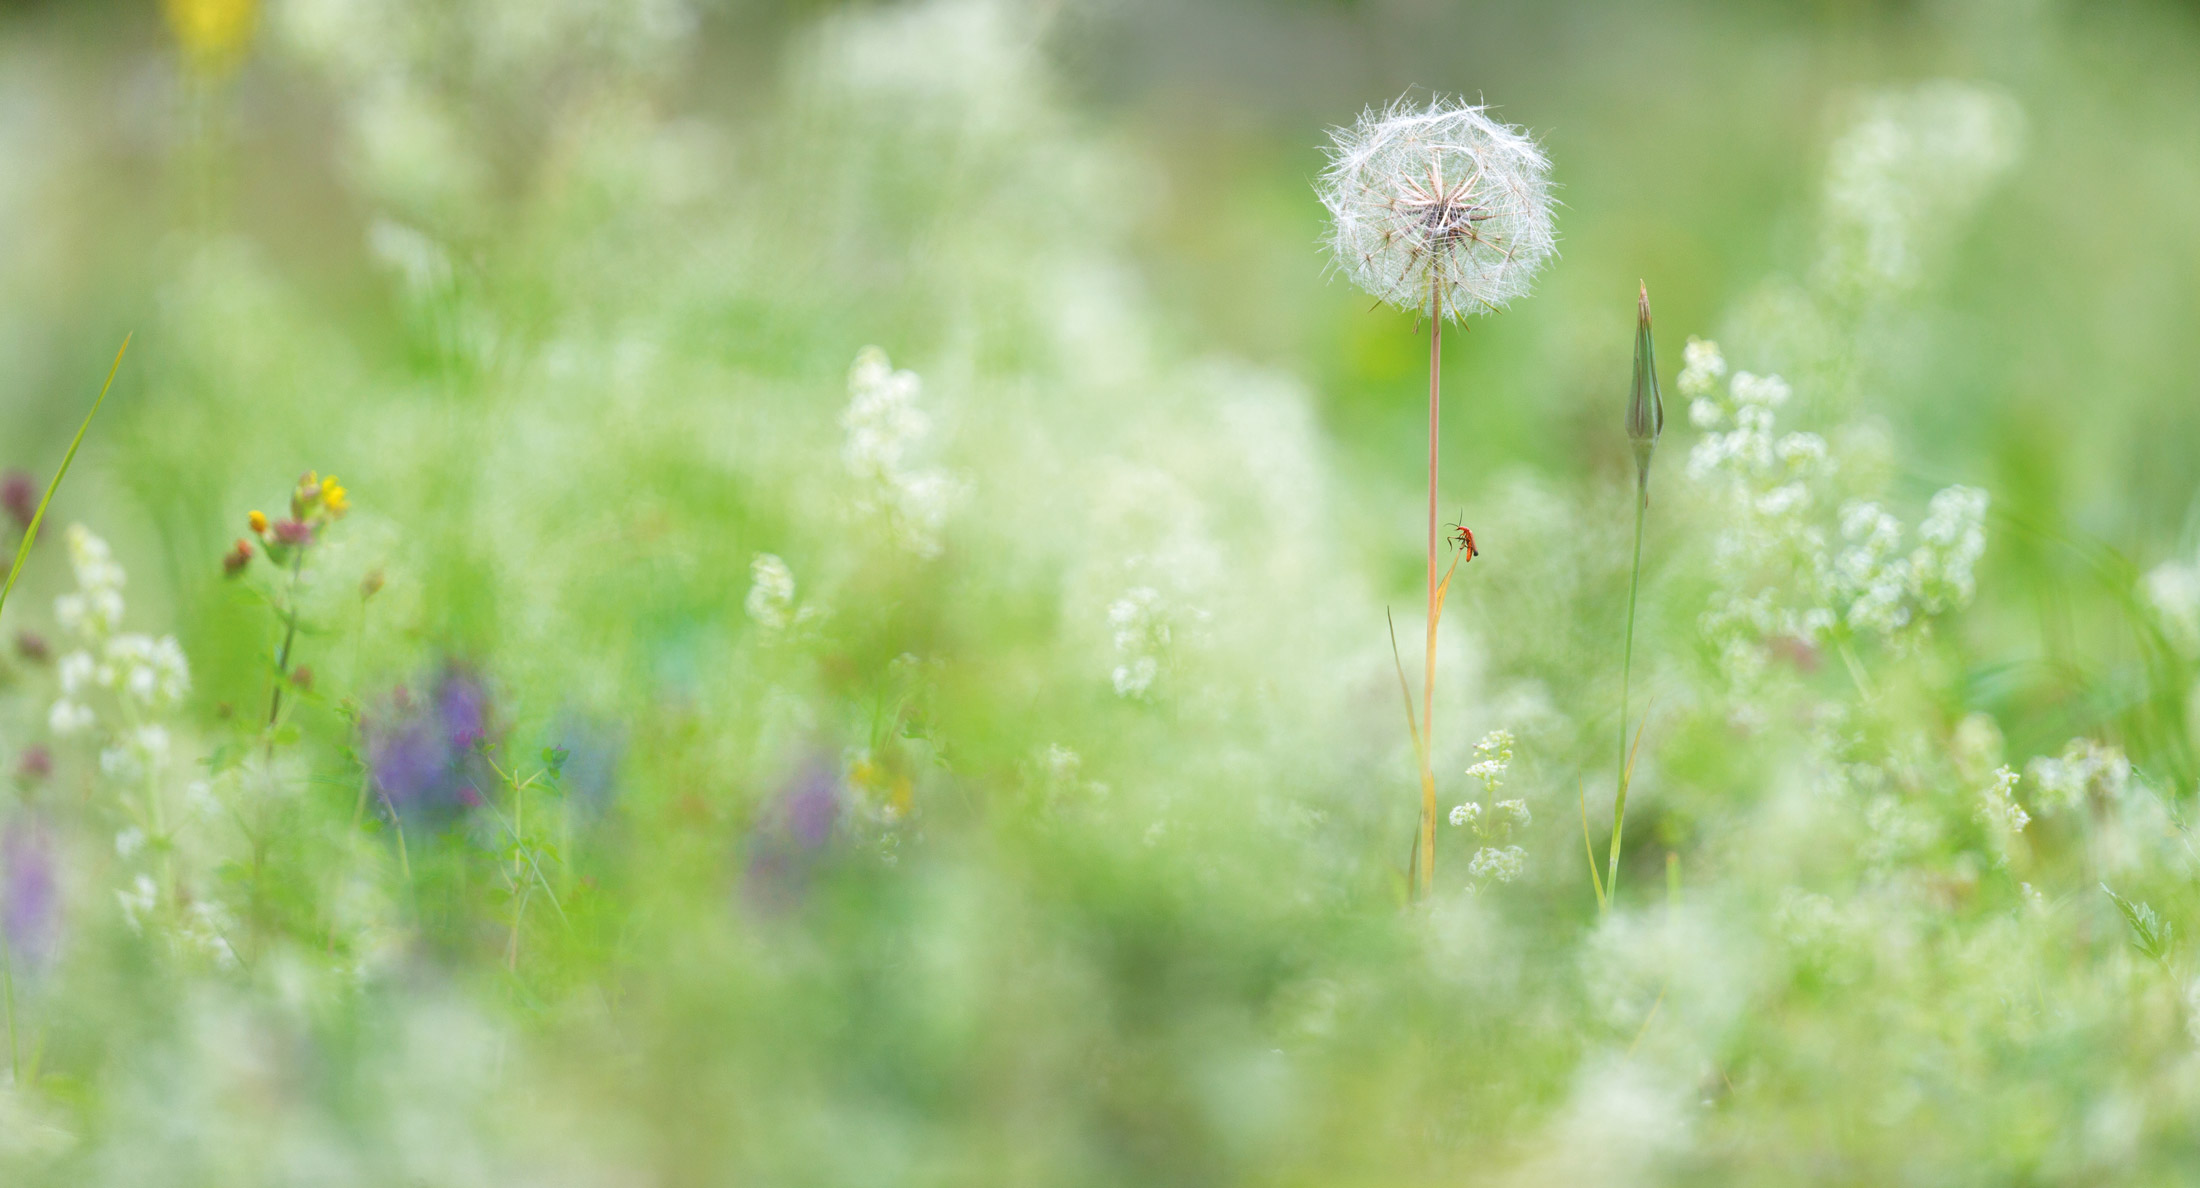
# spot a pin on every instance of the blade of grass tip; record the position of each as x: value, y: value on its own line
x: 30, y: 534
x: 1589, y: 847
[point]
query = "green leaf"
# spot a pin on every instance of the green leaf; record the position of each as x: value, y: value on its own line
x: 30, y: 534
x: 2150, y: 933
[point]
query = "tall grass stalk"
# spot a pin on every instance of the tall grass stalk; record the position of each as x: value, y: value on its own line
x: 30, y: 533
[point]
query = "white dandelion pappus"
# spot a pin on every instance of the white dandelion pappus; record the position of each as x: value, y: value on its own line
x: 1440, y: 208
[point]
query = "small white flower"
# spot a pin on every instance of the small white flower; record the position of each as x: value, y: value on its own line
x: 1701, y: 369
x: 1497, y: 864
x: 2085, y: 770
x: 885, y: 428
x: 1141, y: 630
x: 69, y: 717
x: 1998, y: 805
x: 1137, y: 677
x: 1492, y: 756
x: 137, y: 901
x: 1467, y: 814
x: 75, y: 671
x: 771, y: 593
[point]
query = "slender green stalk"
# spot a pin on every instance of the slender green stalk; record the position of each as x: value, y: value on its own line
x: 30, y: 534
x: 1645, y: 421
x: 1626, y: 679
x: 290, y: 636
x: 7, y: 980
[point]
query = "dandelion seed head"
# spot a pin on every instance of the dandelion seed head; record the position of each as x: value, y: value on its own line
x: 1439, y: 208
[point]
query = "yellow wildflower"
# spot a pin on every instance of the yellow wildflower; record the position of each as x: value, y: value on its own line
x: 214, y: 33
x: 258, y: 521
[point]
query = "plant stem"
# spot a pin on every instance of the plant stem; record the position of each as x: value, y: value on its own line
x: 1428, y: 675
x: 7, y: 979
x: 290, y: 636
x: 1626, y: 679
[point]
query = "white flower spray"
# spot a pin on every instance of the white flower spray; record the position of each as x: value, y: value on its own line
x: 1493, y: 820
x: 885, y: 426
x: 1444, y: 211
x: 1781, y: 575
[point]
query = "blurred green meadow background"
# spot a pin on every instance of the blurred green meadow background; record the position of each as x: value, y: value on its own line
x: 849, y: 644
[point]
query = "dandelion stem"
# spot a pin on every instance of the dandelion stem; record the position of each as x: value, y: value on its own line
x: 1626, y: 680
x: 1428, y: 676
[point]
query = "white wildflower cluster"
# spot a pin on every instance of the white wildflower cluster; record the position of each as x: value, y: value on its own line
x: 885, y: 428
x: 1879, y: 589
x: 1779, y: 575
x: 1140, y: 622
x: 2086, y: 771
x: 1439, y: 208
x: 202, y: 928
x: 771, y: 602
x: 1914, y: 162
x: 112, y: 681
x: 1763, y: 554
x: 1897, y: 832
x: 1998, y: 808
x: 1493, y: 820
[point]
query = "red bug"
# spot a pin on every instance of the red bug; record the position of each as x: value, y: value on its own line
x: 1462, y: 537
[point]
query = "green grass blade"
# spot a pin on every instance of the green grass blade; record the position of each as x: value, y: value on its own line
x: 30, y: 534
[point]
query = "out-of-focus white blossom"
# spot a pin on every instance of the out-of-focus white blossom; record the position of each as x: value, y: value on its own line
x: 147, y: 674
x: 886, y: 427
x: 1779, y: 577
x: 1913, y: 163
x: 2173, y: 590
x: 1998, y: 807
x: 137, y: 901
x: 1142, y: 635
x: 771, y: 593
x: 1497, y: 864
x: 2085, y: 771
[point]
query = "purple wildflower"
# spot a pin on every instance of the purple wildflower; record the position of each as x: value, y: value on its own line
x: 792, y: 835
x: 812, y: 804
x: 462, y: 707
x: 19, y: 495
x: 422, y: 756
x: 293, y: 532
x: 35, y: 765
x: 30, y: 893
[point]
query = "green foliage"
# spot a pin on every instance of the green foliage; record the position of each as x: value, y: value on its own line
x: 707, y: 750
